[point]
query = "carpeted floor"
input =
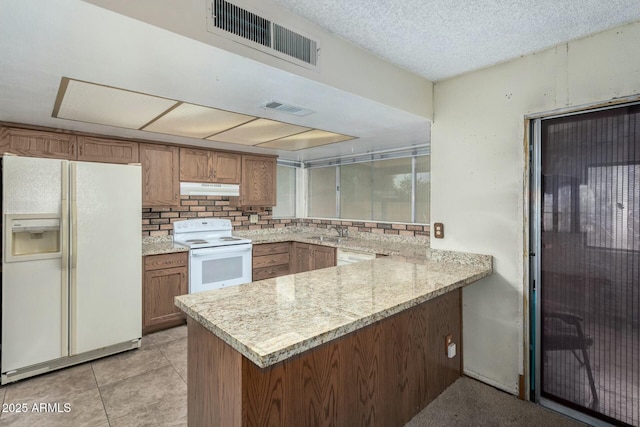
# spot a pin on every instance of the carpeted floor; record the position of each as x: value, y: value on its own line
x: 471, y: 403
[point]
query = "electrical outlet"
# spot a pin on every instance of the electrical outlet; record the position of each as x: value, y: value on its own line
x: 438, y: 230
x: 253, y: 219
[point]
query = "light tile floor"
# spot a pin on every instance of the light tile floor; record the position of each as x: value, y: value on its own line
x: 144, y: 387
x: 147, y: 387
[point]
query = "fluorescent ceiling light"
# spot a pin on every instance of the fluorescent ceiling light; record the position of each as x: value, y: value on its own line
x: 92, y: 103
x: 105, y: 105
x: 196, y: 121
x: 312, y: 138
x: 258, y: 131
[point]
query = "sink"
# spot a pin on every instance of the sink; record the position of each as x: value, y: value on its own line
x: 328, y: 239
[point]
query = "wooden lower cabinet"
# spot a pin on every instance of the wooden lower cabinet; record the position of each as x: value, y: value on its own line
x: 270, y: 260
x: 165, y: 277
x: 380, y: 375
x: 307, y: 257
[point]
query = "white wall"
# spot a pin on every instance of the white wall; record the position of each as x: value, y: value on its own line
x: 478, y: 169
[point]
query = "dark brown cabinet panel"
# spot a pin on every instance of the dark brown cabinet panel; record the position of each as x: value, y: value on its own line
x: 160, y: 175
x: 308, y: 257
x: 301, y: 257
x: 323, y: 257
x: 165, y: 277
x: 35, y: 143
x: 258, y: 187
x: 103, y: 150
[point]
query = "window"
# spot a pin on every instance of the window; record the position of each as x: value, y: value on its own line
x: 322, y: 185
x: 286, y: 193
x: 380, y: 190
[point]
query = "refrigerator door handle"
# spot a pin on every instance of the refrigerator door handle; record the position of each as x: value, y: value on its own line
x: 64, y: 259
x: 74, y: 258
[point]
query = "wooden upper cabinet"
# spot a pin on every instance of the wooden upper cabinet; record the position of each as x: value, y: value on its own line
x: 160, y: 175
x: 35, y: 143
x: 226, y: 168
x: 92, y: 149
x: 209, y: 166
x: 258, y: 186
x: 196, y: 165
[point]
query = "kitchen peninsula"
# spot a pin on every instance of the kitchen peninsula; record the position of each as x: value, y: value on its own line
x: 360, y: 344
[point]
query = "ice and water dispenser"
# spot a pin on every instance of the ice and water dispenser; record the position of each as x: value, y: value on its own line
x: 32, y: 237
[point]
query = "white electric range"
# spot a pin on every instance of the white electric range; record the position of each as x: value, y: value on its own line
x: 217, y: 259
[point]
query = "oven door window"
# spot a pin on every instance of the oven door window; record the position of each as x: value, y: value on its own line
x: 213, y: 268
x: 221, y: 270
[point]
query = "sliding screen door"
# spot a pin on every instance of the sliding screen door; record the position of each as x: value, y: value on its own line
x: 588, y: 281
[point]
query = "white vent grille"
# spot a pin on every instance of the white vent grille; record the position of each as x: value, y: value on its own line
x: 272, y: 38
x: 287, y: 108
x: 294, y: 44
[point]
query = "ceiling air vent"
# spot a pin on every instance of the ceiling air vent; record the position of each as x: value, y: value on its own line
x: 241, y: 22
x: 260, y: 33
x: 294, y: 44
x: 287, y: 108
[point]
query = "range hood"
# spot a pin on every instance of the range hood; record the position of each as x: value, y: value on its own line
x: 203, y: 189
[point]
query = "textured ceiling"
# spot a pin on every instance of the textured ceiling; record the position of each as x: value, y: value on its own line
x: 439, y: 39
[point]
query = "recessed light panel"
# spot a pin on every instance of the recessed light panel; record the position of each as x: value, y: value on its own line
x: 196, y: 121
x: 92, y: 103
x: 258, y: 131
x: 312, y: 138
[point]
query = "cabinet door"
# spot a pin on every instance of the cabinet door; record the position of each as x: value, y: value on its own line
x: 301, y: 258
x: 227, y: 168
x: 196, y: 165
x: 258, y: 186
x: 323, y: 257
x: 160, y: 287
x: 92, y: 149
x: 160, y: 175
x: 34, y: 143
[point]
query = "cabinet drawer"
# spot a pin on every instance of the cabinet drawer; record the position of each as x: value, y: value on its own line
x: 270, y: 248
x: 269, y: 272
x: 156, y: 262
x: 269, y: 260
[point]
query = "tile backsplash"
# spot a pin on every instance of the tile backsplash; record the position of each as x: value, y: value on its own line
x: 159, y: 221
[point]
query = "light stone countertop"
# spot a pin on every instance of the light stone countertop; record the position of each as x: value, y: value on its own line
x: 271, y: 320
x: 362, y: 242
x: 156, y: 245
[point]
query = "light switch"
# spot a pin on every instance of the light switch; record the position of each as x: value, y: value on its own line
x: 438, y: 230
x: 451, y: 351
x: 253, y: 218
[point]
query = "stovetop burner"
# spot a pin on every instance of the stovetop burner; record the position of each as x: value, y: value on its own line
x: 205, y: 233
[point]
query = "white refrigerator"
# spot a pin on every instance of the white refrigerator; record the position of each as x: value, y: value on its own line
x: 71, y: 263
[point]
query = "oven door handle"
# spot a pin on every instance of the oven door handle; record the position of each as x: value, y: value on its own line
x: 222, y: 250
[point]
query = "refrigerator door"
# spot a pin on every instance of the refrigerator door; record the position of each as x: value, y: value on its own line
x: 105, y: 255
x: 34, y: 292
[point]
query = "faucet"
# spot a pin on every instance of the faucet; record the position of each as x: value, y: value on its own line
x: 342, y: 230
